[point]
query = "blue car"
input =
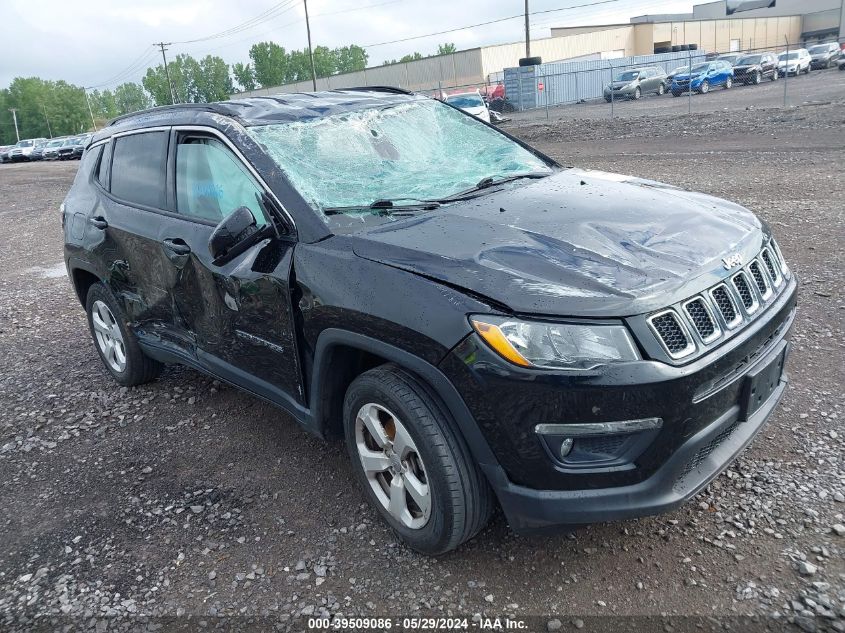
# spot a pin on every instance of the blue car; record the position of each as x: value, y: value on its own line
x: 704, y: 76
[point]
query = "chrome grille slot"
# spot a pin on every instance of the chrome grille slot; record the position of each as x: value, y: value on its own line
x: 746, y: 295
x: 760, y: 279
x: 772, y: 265
x: 672, y: 334
x: 727, y: 306
x: 702, y: 319
x: 688, y: 328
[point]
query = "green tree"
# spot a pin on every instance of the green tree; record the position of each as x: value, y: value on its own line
x: 244, y: 75
x: 350, y: 58
x: 130, y: 97
x: 269, y: 63
x: 103, y: 104
x: 36, y: 100
x: 211, y: 80
x: 445, y: 49
x: 193, y: 81
x: 411, y: 58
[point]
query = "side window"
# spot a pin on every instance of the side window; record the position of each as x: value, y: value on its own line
x: 138, y: 168
x: 103, y: 166
x: 211, y: 182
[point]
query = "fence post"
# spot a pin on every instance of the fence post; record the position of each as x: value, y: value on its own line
x: 519, y: 87
x: 546, y: 91
x: 786, y: 70
x: 689, y: 83
x: 612, y: 99
x: 576, y: 87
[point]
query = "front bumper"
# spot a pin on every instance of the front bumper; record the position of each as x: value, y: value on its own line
x: 697, y: 402
x: 695, y: 464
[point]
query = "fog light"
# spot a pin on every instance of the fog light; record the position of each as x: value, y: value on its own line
x: 598, y: 444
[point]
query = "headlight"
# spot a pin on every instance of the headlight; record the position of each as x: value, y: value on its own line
x: 555, y: 345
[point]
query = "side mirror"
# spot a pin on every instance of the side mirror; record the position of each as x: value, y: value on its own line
x: 231, y: 237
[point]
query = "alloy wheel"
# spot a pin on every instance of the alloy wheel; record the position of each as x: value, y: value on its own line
x: 393, y: 465
x: 108, y: 335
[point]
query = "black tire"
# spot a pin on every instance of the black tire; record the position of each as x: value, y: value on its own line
x: 530, y: 61
x: 775, y: 76
x: 758, y: 78
x: 461, y: 499
x: 661, y: 90
x: 139, y: 367
x: 675, y: 93
x: 728, y: 83
x: 637, y: 93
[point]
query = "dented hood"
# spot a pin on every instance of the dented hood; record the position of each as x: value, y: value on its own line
x: 578, y: 243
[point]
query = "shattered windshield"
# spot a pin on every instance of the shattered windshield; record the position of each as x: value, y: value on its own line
x: 421, y: 150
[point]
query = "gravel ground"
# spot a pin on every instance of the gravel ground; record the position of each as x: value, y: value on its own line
x: 188, y: 498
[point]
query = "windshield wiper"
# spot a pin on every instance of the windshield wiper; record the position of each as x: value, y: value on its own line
x: 491, y: 181
x: 384, y: 206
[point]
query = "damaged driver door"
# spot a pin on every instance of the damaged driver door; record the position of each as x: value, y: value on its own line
x: 239, y: 312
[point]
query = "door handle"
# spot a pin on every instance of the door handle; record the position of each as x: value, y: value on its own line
x: 98, y: 222
x: 177, y: 246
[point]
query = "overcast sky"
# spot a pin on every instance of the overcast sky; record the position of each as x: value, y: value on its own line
x: 94, y: 42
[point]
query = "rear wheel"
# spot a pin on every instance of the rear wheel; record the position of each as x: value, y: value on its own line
x: 775, y: 76
x: 116, y: 344
x: 637, y: 93
x: 661, y: 89
x: 705, y: 87
x: 728, y: 83
x: 758, y: 78
x: 413, y: 466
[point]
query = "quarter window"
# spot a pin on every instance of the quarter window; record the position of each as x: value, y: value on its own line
x: 138, y: 169
x: 211, y: 182
x: 103, y: 166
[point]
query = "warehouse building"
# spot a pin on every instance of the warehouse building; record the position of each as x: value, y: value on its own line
x: 707, y: 28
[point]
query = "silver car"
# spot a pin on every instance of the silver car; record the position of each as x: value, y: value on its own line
x: 631, y: 84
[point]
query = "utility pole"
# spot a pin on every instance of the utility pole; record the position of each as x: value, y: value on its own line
x: 15, y: 117
x: 527, y: 33
x: 46, y: 118
x: 162, y: 45
x: 310, y: 50
x: 90, y: 111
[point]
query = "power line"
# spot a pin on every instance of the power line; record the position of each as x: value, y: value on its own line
x: 269, y: 14
x: 126, y: 71
x: 471, y: 26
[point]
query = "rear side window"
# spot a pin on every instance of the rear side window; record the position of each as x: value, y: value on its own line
x: 138, y: 169
x: 103, y: 166
x: 211, y: 181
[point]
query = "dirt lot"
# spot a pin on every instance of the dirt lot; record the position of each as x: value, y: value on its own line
x: 188, y: 498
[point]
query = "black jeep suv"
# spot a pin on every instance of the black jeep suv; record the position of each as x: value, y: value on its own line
x: 482, y: 325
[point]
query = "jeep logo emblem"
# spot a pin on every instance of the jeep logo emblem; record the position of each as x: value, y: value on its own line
x: 732, y: 261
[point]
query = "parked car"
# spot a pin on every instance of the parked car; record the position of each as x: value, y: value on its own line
x: 824, y: 55
x: 38, y: 151
x: 454, y: 315
x: 4, y: 153
x: 730, y: 58
x: 703, y: 77
x: 794, y: 62
x: 23, y: 149
x: 677, y: 71
x: 79, y: 146
x: 51, y: 149
x: 471, y: 103
x: 66, y: 149
x: 752, y: 69
x: 631, y: 84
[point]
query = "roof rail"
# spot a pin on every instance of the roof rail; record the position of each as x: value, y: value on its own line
x: 205, y: 107
x: 376, y: 89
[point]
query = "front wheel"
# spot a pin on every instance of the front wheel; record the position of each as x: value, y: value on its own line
x: 637, y: 93
x: 758, y: 78
x: 661, y: 90
x: 728, y: 83
x: 414, y: 467
x: 705, y: 87
x: 775, y: 76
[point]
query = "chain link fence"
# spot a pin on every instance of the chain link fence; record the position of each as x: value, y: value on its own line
x: 688, y: 81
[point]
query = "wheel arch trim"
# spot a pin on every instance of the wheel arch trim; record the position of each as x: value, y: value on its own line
x: 435, y: 379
